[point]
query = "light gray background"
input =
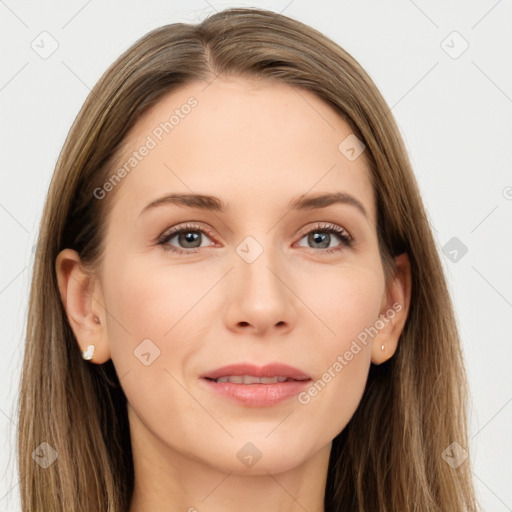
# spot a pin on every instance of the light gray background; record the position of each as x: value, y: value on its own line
x: 454, y: 115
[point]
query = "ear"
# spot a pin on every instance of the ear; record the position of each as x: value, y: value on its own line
x: 394, y: 311
x: 81, y: 296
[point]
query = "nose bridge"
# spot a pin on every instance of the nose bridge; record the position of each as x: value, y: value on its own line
x: 260, y: 296
x: 257, y: 264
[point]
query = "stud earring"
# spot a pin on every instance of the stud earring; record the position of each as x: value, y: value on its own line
x: 88, y: 353
x: 382, y: 348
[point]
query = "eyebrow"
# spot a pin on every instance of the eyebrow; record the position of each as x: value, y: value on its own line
x: 214, y: 204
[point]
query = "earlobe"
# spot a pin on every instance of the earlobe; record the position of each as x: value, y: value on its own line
x: 81, y: 297
x: 394, y: 311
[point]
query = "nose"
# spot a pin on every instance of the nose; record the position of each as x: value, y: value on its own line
x: 261, y: 301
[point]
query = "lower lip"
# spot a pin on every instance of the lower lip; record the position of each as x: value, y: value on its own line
x: 258, y: 395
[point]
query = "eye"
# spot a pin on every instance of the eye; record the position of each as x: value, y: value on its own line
x: 189, y: 237
x: 321, y: 237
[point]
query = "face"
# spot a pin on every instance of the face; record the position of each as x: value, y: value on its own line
x: 258, y: 281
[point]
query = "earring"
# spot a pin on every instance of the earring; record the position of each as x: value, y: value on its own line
x: 382, y: 348
x: 88, y: 353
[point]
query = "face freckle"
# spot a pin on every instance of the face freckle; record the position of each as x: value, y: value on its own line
x: 251, y: 293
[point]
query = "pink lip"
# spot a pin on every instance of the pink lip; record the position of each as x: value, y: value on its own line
x: 269, y: 370
x: 257, y: 395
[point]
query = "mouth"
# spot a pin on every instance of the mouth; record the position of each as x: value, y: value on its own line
x: 251, y: 379
x: 251, y: 371
x: 256, y: 386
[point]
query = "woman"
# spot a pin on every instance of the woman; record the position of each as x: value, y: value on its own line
x: 238, y: 301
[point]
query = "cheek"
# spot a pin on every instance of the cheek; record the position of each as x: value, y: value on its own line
x: 346, y: 298
x: 349, y: 306
x: 159, y: 317
x: 144, y: 303
x: 153, y: 311
x: 149, y: 300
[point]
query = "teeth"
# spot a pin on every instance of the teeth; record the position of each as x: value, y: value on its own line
x: 250, y: 379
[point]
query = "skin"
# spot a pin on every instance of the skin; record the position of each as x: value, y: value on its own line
x: 255, y: 146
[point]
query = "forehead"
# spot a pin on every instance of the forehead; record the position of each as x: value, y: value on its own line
x: 254, y: 144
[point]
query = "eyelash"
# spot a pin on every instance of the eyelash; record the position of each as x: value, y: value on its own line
x: 343, y: 235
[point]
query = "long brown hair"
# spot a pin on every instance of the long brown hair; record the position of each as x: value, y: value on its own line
x: 389, y: 458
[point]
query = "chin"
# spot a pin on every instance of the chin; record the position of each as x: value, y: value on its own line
x: 258, y: 455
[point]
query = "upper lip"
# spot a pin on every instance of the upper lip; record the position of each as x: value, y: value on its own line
x: 268, y: 370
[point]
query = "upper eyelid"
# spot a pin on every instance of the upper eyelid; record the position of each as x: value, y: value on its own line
x: 184, y: 227
x: 197, y: 226
x: 327, y: 226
